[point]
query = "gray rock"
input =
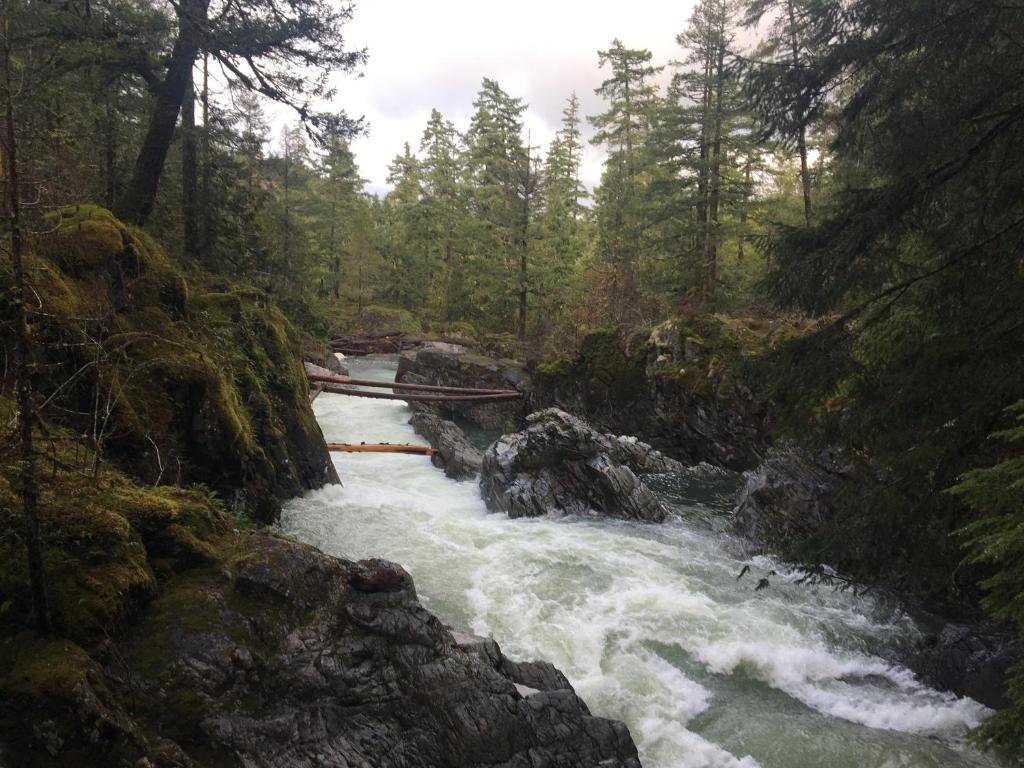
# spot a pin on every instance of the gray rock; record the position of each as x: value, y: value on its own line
x: 466, y: 369
x: 559, y: 463
x: 970, y: 661
x: 789, y: 495
x: 298, y: 659
x: 535, y: 675
x: 459, y: 458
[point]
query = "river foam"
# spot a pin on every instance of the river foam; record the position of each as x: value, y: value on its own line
x: 649, y: 622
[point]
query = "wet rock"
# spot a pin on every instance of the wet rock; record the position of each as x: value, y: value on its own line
x: 466, y: 369
x: 460, y: 459
x: 970, y: 661
x: 335, y: 363
x: 535, y: 675
x: 789, y: 496
x: 288, y: 657
x: 559, y: 463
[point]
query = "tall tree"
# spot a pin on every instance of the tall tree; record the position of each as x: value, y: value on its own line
x: 779, y: 64
x: 285, y: 51
x: 562, y: 222
x: 18, y: 65
x: 624, y: 128
x: 495, y: 169
x: 443, y: 202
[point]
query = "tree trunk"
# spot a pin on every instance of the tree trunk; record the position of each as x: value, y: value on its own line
x: 801, y: 139
x: 137, y: 202
x: 206, y: 172
x: 22, y: 362
x: 109, y: 153
x: 711, y: 252
x: 741, y: 240
x: 189, y: 180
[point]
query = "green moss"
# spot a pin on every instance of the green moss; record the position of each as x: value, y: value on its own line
x: 35, y: 668
x: 560, y: 366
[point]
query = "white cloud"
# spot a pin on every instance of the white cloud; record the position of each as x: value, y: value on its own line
x: 434, y: 54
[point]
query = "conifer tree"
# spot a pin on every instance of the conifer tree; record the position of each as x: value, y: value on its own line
x: 624, y: 129
x: 443, y: 204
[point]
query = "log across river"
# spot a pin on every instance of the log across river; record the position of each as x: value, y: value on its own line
x: 649, y: 622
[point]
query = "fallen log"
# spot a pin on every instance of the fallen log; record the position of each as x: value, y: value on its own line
x: 318, y: 377
x: 336, y: 390
x: 420, y: 450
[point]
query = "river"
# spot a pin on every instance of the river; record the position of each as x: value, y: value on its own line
x: 648, y: 622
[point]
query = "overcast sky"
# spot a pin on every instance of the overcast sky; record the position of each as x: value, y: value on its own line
x: 434, y: 53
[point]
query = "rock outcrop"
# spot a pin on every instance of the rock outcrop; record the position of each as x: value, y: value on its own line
x: 789, y: 496
x: 559, y: 463
x: 459, y: 458
x: 970, y: 661
x: 677, y: 387
x: 206, y: 386
x: 281, y: 655
x: 448, y: 368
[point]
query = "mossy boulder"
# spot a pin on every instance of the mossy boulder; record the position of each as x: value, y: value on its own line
x: 201, y: 386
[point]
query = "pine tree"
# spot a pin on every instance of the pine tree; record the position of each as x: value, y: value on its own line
x: 496, y: 159
x: 624, y: 129
x: 443, y: 208
x: 776, y: 69
x: 406, y: 247
x: 562, y: 224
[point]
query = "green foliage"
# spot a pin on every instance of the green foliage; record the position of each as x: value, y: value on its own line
x: 996, y: 542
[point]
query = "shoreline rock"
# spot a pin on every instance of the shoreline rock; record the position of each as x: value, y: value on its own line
x: 559, y: 463
x: 789, y: 495
x: 459, y: 458
x: 281, y: 655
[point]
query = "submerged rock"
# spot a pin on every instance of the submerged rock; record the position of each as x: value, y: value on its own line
x: 559, y: 463
x: 460, y: 459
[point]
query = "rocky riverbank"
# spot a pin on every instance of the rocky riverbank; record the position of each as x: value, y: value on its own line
x: 680, y: 387
x: 184, y: 636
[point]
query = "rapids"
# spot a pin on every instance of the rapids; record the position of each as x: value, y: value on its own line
x: 648, y: 622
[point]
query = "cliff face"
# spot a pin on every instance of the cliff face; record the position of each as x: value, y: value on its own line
x: 677, y: 387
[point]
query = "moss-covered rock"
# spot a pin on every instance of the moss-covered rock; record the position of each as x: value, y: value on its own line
x: 682, y: 385
x: 172, y: 386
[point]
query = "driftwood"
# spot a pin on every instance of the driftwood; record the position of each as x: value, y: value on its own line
x: 413, y: 387
x: 430, y: 398
x: 421, y: 450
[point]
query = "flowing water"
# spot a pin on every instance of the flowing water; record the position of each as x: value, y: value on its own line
x: 648, y: 622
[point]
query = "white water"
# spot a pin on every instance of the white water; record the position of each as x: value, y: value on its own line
x: 648, y: 622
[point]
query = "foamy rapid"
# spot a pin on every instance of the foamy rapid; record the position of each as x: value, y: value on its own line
x: 649, y: 622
